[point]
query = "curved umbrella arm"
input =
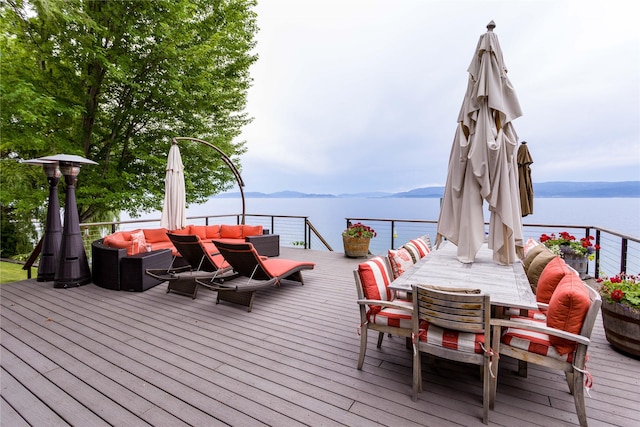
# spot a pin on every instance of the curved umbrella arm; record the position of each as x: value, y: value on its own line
x: 228, y: 162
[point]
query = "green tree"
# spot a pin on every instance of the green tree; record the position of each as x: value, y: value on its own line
x: 114, y: 81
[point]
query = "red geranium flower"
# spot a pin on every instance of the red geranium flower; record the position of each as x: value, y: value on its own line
x: 617, y: 295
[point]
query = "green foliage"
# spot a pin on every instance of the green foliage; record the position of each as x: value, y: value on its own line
x: 114, y: 81
x: 623, y: 289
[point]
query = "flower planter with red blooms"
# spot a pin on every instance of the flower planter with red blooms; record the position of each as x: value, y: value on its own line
x: 621, y: 312
x: 576, y: 253
x: 356, y: 239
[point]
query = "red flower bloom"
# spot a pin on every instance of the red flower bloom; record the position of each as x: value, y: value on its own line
x: 617, y: 295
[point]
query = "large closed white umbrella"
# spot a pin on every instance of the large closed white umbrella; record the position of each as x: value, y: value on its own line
x: 174, y: 211
x: 482, y: 164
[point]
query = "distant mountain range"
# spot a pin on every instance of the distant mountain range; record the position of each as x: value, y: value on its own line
x: 560, y: 189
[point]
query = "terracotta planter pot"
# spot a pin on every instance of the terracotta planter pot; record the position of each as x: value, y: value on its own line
x: 622, y: 327
x: 356, y: 247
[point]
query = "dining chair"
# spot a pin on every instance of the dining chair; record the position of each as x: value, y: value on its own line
x: 560, y: 341
x: 453, y: 324
x: 379, y: 309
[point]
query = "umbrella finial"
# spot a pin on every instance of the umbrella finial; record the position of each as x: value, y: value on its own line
x: 491, y: 25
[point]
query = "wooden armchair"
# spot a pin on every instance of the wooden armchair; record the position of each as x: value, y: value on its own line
x: 453, y: 325
x: 559, y: 342
x: 379, y: 310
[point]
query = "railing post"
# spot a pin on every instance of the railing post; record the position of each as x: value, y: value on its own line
x: 623, y: 255
x: 597, y: 253
x: 587, y: 234
x: 393, y: 239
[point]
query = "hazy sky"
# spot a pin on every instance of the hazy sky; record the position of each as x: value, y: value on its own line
x: 363, y: 95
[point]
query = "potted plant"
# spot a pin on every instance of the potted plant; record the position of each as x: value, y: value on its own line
x: 576, y: 253
x: 621, y: 312
x: 356, y: 240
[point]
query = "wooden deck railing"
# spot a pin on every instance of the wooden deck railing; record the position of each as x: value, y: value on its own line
x: 618, y: 253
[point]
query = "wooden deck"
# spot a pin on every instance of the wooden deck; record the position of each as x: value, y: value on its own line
x: 89, y: 356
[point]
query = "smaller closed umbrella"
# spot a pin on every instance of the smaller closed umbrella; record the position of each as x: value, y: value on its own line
x: 524, y: 179
x: 174, y: 211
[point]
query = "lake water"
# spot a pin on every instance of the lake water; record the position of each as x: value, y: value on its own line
x: 328, y: 214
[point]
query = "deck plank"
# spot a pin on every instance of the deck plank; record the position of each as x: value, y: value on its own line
x: 162, y: 358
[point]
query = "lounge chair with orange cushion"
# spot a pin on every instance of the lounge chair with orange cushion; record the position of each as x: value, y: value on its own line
x: 201, y: 265
x: 259, y: 271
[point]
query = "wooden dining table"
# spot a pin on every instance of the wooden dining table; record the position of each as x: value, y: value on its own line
x: 507, y: 285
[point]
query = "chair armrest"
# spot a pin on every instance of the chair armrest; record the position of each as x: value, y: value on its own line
x: 391, y: 304
x: 542, y: 328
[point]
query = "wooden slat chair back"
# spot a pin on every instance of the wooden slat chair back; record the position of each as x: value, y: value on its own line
x: 453, y: 324
x: 572, y: 364
x: 379, y: 310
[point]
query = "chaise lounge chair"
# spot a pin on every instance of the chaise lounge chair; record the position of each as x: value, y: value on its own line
x: 201, y: 265
x: 260, y: 271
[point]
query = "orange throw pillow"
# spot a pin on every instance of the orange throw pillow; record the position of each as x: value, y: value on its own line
x: 549, y: 279
x: 567, y: 309
x: 156, y: 235
x: 200, y: 231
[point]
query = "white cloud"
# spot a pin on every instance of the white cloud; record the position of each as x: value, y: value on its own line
x: 378, y: 85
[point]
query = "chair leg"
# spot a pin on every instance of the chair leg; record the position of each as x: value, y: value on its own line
x: 363, y: 346
x: 417, y: 375
x: 486, y: 390
x: 522, y: 368
x: 493, y: 379
x: 578, y: 397
x: 380, y: 337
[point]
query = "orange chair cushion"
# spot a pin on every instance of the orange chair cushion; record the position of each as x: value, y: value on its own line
x: 533, y: 342
x: 467, y: 342
x: 549, y: 279
x: 156, y: 235
x: 231, y: 231
x: 567, y: 309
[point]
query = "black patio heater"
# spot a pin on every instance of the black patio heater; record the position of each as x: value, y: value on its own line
x: 53, y: 227
x: 73, y: 267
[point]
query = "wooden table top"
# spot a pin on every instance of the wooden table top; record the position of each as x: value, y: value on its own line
x: 507, y: 284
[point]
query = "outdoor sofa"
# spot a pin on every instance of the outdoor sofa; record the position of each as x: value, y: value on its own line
x: 119, y: 260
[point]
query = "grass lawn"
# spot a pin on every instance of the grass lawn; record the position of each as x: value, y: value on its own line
x: 11, y: 272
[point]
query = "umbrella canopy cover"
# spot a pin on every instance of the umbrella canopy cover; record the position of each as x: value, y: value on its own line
x: 524, y: 179
x: 482, y: 164
x: 174, y: 211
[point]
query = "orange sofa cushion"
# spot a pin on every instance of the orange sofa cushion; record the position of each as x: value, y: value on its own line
x: 199, y: 230
x: 212, y: 231
x: 182, y: 231
x: 231, y: 231
x: 251, y: 230
x: 567, y: 309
